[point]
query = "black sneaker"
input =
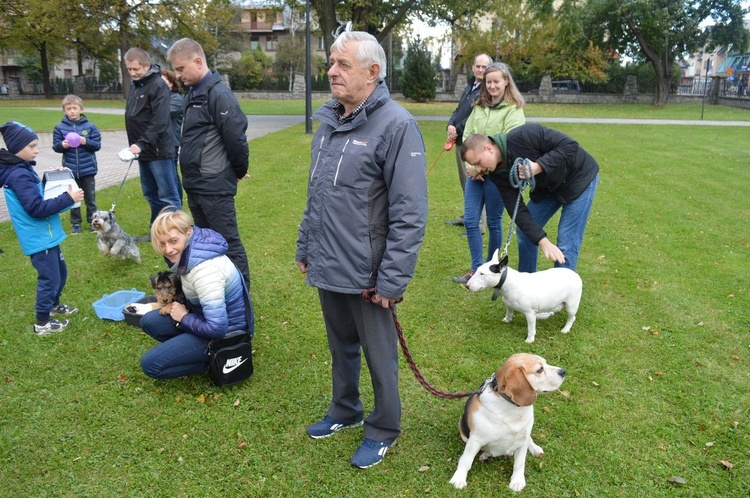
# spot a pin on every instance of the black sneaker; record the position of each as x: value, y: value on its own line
x: 63, y: 309
x: 50, y: 327
x: 76, y: 229
x: 463, y: 279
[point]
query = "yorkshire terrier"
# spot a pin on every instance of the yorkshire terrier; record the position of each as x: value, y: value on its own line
x: 167, y: 289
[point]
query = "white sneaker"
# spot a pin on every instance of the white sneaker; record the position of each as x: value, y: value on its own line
x: 50, y: 327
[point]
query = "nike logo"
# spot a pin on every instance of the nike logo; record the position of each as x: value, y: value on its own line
x: 224, y: 113
x: 232, y: 364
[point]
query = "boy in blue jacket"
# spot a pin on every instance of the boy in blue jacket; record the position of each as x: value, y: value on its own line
x: 79, y: 156
x: 36, y: 222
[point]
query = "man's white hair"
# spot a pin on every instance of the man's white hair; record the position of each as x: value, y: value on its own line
x: 370, y: 51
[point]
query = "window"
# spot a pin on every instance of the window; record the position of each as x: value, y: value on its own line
x: 272, y: 43
x: 254, y: 43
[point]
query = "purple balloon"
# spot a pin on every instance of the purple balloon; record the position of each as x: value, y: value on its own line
x: 73, y: 139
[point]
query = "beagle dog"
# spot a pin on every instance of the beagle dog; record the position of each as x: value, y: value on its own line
x: 498, y: 420
x: 536, y: 295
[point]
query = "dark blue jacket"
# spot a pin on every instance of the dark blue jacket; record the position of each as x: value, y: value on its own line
x: 80, y: 160
x: 36, y: 221
x: 213, y: 151
x: 463, y: 110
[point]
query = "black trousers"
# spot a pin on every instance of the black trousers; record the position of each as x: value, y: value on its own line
x: 218, y: 213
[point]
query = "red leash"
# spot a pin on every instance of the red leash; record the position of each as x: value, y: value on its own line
x: 367, y: 296
x: 448, y: 146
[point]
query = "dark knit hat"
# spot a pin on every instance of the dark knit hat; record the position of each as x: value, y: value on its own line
x: 17, y: 136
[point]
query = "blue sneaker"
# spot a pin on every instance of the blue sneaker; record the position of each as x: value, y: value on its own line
x: 370, y: 453
x: 328, y: 426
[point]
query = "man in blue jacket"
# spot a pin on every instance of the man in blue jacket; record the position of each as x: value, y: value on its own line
x: 213, y: 151
x: 361, y: 230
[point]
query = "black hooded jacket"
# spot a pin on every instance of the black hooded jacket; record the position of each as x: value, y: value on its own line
x: 147, y: 119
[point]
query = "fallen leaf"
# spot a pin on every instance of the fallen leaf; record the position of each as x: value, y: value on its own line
x: 285, y: 322
x: 651, y: 379
x: 546, y: 409
x: 423, y: 468
x: 709, y: 444
x: 677, y: 479
x: 595, y: 384
x: 646, y: 327
x: 565, y: 393
x: 201, y: 398
x: 121, y: 377
x: 177, y: 399
x: 654, y: 332
x: 736, y: 358
x: 184, y: 436
x: 236, y: 404
x: 700, y: 324
x: 241, y: 445
x: 726, y: 463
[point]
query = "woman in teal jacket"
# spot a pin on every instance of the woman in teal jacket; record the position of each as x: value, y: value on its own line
x: 498, y: 110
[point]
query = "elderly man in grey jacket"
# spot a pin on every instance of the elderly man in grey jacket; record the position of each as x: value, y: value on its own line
x: 361, y: 230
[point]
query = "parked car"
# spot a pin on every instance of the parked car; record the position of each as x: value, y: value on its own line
x: 566, y: 86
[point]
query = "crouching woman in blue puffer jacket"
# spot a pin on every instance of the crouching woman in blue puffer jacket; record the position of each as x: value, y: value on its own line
x: 218, y: 300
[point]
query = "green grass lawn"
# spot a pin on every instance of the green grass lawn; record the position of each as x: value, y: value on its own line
x: 36, y: 113
x: 658, y: 383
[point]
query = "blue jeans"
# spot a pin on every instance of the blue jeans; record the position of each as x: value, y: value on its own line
x: 52, y: 273
x: 477, y: 195
x: 569, y: 231
x: 159, y: 185
x: 179, y: 353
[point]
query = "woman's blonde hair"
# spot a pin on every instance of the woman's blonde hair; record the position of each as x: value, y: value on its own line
x: 512, y: 94
x: 167, y: 220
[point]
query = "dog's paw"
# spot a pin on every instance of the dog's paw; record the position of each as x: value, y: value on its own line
x: 530, y: 339
x: 507, y: 320
x: 459, y: 482
x: 535, y: 450
x: 517, y: 483
x: 486, y: 455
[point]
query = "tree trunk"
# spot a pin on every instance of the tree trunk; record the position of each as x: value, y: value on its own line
x: 45, y: 70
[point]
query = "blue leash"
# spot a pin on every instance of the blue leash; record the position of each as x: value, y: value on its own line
x: 520, y: 183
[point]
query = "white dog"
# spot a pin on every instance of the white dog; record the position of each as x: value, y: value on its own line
x: 111, y: 239
x: 536, y: 295
x: 499, y: 419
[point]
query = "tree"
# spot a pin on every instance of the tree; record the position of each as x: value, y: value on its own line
x: 418, y: 80
x: 663, y: 31
x: 35, y: 27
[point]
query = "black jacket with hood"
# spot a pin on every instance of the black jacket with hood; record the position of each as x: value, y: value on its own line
x: 147, y: 118
x: 213, y: 151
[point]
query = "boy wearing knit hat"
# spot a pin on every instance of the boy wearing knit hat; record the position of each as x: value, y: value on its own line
x: 36, y: 222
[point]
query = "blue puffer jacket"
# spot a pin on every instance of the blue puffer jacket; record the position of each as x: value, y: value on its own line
x: 36, y: 221
x: 214, y: 287
x: 81, y: 160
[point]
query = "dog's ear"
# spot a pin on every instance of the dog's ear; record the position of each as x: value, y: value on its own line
x: 176, y: 282
x: 495, y: 268
x: 152, y: 280
x: 112, y: 218
x: 513, y: 382
x: 504, y: 262
x: 496, y: 256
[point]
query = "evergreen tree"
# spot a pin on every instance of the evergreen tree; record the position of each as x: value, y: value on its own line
x: 418, y: 80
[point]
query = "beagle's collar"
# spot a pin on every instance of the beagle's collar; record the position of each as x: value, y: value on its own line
x: 493, y: 386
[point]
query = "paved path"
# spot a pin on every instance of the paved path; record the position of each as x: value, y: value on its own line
x: 112, y: 170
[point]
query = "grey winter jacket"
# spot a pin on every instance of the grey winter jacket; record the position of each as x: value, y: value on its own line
x: 366, y: 200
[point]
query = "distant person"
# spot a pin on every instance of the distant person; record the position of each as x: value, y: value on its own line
x: 150, y: 134
x: 566, y: 178
x: 214, y: 153
x: 36, y: 222
x: 361, y: 230
x: 80, y: 156
x: 175, y: 115
x: 458, y: 120
x: 497, y: 110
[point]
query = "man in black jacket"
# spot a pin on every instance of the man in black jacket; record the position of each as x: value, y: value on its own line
x: 566, y: 178
x: 457, y: 122
x: 213, y: 150
x: 149, y: 131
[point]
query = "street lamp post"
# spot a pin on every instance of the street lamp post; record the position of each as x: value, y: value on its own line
x: 705, y: 87
x: 308, y: 72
